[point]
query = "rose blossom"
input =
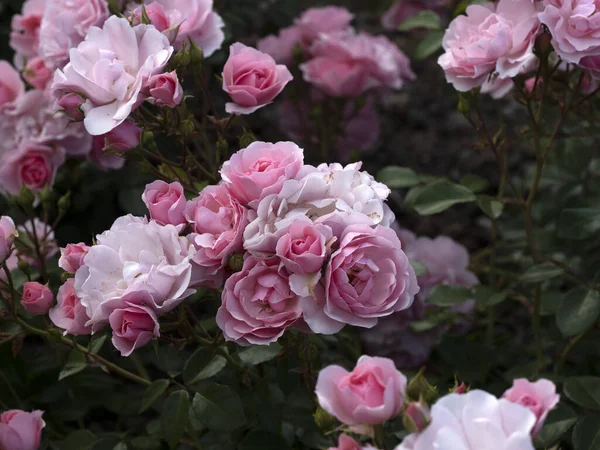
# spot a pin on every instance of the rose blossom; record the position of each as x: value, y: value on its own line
x: 303, y: 248
x: 490, y: 38
x: 71, y: 257
x: 166, y: 202
x: 252, y: 79
x: 65, y: 25
x: 475, y: 420
x: 117, y: 54
x: 11, y: 86
x: 133, y: 323
x: 195, y: 18
x: 37, y: 298
x: 106, y: 148
x: 25, y: 34
x: 261, y: 169
x: 218, y: 221
x: 539, y: 397
x: 329, y: 19
x: 371, y: 394
x: 8, y: 232
x: 71, y: 104
x: 257, y: 304
x: 497, y: 87
x: 134, y: 255
x: 20, y: 430
x: 36, y: 73
x: 165, y: 89
x: 345, y: 442
x: 281, y: 47
x: 69, y: 314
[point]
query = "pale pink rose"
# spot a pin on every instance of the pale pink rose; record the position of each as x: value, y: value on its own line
x: 252, y: 79
x: 281, y: 47
x: 591, y: 64
x: 44, y: 234
x: 165, y: 89
x: 539, y: 397
x: 475, y: 420
x: 25, y: 29
x: 371, y: 394
x: 32, y: 165
x: 65, y: 25
x: 68, y: 313
x: 497, y: 87
x: 195, y: 18
x: 20, y: 430
x: 123, y: 138
x: 105, y: 160
x: 490, y: 38
x: 71, y: 106
x: 110, y: 69
x: 8, y: 232
x: 36, y: 73
x: 218, y: 220
x: 71, y: 257
x: 11, y: 86
x: 417, y: 415
x: 304, y: 247
x: 166, y: 202
x: 133, y: 324
x: 37, y: 298
x: 261, y: 169
x: 347, y: 65
x: 157, y: 261
x: 257, y: 304
x: 574, y: 27
x: 368, y: 277
x: 329, y: 19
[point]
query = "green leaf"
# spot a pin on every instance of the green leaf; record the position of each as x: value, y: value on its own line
x: 203, y: 364
x: 75, y: 364
x: 423, y: 19
x: 437, y: 197
x: 79, y: 440
x: 96, y: 344
x: 174, y: 417
x: 396, y: 177
x: 578, y: 311
x: 428, y: 46
x: 447, y: 295
x: 541, y: 272
x: 263, y: 440
x: 586, y: 434
x: 584, y: 391
x: 490, y: 206
x: 259, y: 354
x: 486, y: 297
x: 579, y: 223
x: 558, y: 422
x: 219, y: 408
x: 153, y: 393
x: 474, y: 183
x: 420, y: 268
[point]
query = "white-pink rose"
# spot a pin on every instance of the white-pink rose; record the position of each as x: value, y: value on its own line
x: 257, y: 304
x: 490, y: 38
x: 261, y: 169
x: 8, y: 232
x: 165, y: 89
x: 71, y: 257
x: 69, y: 314
x: 539, y: 397
x: 11, y: 86
x: 252, y: 79
x: 166, y: 202
x: 371, y: 394
x: 110, y: 69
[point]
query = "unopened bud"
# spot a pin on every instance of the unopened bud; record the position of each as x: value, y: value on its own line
x: 236, y: 262
x: 459, y: 388
x: 187, y: 128
x: 64, y: 203
x: 325, y: 421
x: 182, y: 58
x: 464, y: 105
x: 26, y: 198
x: 416, y: 417
x: 23, y: 266
x: 419, y: 389
x: 247, y: 139
x: 196, y: 55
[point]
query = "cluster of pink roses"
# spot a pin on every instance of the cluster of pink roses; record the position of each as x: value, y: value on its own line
x: 21, y: 430
x: 374, y: 392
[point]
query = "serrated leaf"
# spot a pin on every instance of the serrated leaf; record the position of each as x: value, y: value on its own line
x: 174, y: 417
x: 396, y: 177
x: 219, y: 408
x: 541, y: 272
x: 423, y: 19
x: 586, y: 434
x: 203, y: 364
x: 447, y: 295
x: 578, y: 311
x: 584, y: 391
x: 76, y: 362
x: 259, y: 354
x: 153, y: 393
x: 437, y: 197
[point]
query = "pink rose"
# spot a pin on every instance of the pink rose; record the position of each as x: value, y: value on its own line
x: 490, y: 38
x: 539, y: 397
x: 32, y: 165
x: 497, y: 87
x: 123, y: 138
x: 261, y: 169
x: 371, y: 394
x: 218, y: 221
x: 69, y: 314
x: 71, y: 257
x: 368, y: 277
x: 345, y: 442
x: 133, y: 324
x: 257, y: 304
x: 591, y: 64
x: 329, y: 19
x: 574, y: 28
x: 166, y: 202
x: 281, y: 47
x: 20, y: 430
x: 416, y: 417
x: 71, y: 105
x: 25, y: 34
x: 155, y: 13
x: 37, y: 298
x: 65, y: 25
x: 36, y: 73
x: 8, y: 232
x: 100, y: 57
x: 11, y: 86
x: 165, y: 89
x: 252, y: 79
x: 195, y: 18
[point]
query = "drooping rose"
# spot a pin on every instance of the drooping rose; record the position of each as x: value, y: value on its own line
x: 11, y: 86
x: 252, y: 79
x: 68, y: 313
x: 539, y: 397
x: 71, y: 257
x: 166, y: 202
x: 371, y: 394
x: 21, y: 430
x: 37, y: 298
x: 8, y: 232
